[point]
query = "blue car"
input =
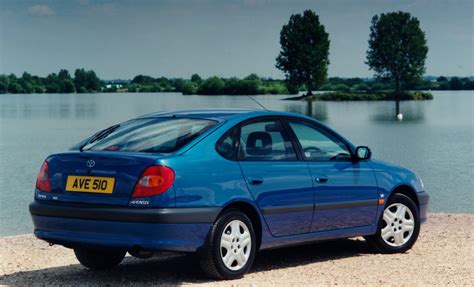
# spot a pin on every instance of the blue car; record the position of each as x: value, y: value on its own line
x: 224, y: 184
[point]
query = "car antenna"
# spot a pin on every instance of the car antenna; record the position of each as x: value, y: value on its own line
x: 253, y: 99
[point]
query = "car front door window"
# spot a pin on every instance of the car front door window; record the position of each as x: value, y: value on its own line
x: 318, y: 145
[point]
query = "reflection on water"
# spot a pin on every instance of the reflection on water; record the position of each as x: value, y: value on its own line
x: 315, y: 110
x: 54, y: 106
x: 412, y: 112
x: 435, y: 139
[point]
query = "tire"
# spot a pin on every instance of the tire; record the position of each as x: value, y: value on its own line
x: 230, y: 246
x: 99, y: 259
x: 398, y: 227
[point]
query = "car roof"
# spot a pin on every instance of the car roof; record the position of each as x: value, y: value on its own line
x: 219, y: 114
x: 239, y: 114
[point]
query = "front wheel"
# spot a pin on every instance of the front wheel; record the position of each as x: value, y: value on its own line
x: 230, y: 247
x: 398, y: 227
x: 99, y: 259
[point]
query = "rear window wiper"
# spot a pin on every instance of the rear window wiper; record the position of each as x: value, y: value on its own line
x: 100, y: 135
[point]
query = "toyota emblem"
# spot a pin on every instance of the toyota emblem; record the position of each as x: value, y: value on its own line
x: 90, y: 163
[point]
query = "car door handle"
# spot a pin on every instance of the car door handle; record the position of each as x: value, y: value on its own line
x: 255, y: 180
x: 321, y: 179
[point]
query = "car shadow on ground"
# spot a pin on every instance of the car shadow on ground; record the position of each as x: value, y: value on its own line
x: 177, y: 270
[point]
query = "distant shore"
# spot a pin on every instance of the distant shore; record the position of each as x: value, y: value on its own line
x: 364, y: 96
x: 83, y: 81
x: 443, y: 255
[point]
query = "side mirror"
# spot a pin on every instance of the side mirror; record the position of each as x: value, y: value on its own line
x: 363, y: 153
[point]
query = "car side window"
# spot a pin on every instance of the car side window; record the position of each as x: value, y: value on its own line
x: 319, y: 145
x: 226, y: 146
x: 265, y: 140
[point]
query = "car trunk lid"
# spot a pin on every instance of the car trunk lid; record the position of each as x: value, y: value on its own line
x: 97, y: 177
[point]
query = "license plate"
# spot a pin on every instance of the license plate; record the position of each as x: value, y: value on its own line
x: 94, y: 184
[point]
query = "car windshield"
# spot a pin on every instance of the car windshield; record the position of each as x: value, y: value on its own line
x: 163, y: 135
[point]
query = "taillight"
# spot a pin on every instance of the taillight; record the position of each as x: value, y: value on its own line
x: 42, y: 181
x: 153, y: 181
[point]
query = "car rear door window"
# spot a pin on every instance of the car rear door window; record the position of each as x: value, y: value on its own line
x: 265, y: 140
x: 319, y: 145
x: 226, y: 146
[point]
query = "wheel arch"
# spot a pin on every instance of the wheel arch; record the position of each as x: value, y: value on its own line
x: 251, y: 211
x: 407, y: 191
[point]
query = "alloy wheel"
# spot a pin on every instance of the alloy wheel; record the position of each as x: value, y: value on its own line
x: 398, y: 225
x: 235, y: 245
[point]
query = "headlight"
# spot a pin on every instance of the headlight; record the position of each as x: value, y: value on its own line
x: 422, y: 185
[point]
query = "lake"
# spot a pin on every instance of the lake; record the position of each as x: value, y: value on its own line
x: 435, y: 138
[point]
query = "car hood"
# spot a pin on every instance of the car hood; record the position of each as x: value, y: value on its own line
x: 380, y: 165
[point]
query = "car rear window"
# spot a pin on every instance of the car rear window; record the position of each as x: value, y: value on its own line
x: 164, y: 135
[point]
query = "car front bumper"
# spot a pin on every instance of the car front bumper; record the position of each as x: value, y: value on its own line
x: 160, y: 229
x: 423, y: 200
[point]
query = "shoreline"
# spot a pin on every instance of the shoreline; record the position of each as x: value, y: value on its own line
x: 442, y: 255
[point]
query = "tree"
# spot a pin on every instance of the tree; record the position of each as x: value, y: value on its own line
x: 68, y: 86
x: 178, y: 84
x: 195, y: 78
x: 189, y: 88
x: 86, y: 81
x: 64, y: 74
x: 304, y: 55
x: 65, y: 82
x: 80, y: 80
x: 142, y: 79
x: 93, y: 82
x: 14, y: 88
x: 252, y: 77
x: 3, y: 84
x: 211, y: 86
x: 455, y: 83
x: 397, y: 49
x: 53, y: 84
x: 441, y: 79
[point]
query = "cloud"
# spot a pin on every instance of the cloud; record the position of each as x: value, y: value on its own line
x: 40, y: 10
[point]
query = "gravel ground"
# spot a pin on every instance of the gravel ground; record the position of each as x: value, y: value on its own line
x: 444, y: 254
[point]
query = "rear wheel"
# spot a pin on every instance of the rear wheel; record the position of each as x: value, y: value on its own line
x: 398, y: 227
x: 230, y: 247
x: 98, y: 259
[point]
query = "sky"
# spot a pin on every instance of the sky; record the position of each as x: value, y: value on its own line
x: 120, y: 39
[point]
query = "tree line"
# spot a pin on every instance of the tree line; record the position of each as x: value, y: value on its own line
x: 250, y: 85
x: 88, y: 82
x: 62, y: 82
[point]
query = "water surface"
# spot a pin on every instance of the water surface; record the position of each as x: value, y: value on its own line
x: 435, y: 139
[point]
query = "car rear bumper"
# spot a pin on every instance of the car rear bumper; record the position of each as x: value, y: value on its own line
x: 167, y: 229
x: 423, y: 199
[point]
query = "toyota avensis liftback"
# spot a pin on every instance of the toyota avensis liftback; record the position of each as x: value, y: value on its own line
x: 224, y: 184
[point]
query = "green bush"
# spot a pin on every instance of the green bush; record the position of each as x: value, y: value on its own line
x: 82, y: 90
x: 211, y: 86
x: 150, y: 88
x: 275, y: 88
x: 14, y: 88
x: 133, y: 88
x: 360, y: 87
x: 189, y: 88
x: 39, y: 89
